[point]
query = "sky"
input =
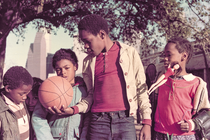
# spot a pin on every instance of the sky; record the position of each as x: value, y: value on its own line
x: 16, y: 54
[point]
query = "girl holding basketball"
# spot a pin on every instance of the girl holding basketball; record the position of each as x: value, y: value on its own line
x: 63, y: 127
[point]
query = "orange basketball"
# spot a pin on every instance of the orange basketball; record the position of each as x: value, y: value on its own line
x: 55, y: 91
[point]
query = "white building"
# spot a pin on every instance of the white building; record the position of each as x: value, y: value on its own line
x: 36, y: 61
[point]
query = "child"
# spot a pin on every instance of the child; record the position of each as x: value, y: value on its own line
x: 14, y: 117
x: 115, y: 79
x: 31, y: 101
x: 32, y: 97
x: 179, y: 96
x: 62, y: 127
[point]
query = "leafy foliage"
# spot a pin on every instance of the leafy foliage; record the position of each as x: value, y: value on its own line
x: 152, y: 21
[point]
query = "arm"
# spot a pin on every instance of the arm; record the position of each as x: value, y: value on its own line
x: 40, y: 124
x: 198, y: 123
x: 84, y: 105
x: 201, y: 106
x: 142, y: 97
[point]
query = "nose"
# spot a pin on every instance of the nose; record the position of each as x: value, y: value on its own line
x: 63, y: 72
x: 86, y: 46
x: 30, y: 101
x: 166, y: 58
x: 24, y: 97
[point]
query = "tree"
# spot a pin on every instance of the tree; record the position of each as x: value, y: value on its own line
x: 123, y: 16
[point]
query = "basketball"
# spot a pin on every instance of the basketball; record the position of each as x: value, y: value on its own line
x: 55, y: 91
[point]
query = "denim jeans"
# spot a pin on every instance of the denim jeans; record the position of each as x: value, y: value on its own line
x: 115, y: 125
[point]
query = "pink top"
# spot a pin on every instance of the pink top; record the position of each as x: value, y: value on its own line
x: 109, y: 92
x: 175, y: 104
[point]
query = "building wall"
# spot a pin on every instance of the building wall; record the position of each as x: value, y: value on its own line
x: 36, y: 62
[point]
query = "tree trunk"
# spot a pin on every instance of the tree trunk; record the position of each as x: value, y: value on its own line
x: 207, y: 68
x: 3, y: 39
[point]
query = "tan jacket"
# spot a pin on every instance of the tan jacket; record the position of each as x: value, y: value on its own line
x: 201, y: 100
x: 134, y: 76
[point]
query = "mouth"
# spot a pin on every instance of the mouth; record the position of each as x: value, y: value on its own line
x: 31, y: 108
x: 65, y: 77
x: 166, y: 64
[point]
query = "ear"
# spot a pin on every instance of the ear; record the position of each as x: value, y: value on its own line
x: 102, y: 34
x: 76, y: 67
x: 7, y: 88
x: 184, y: 56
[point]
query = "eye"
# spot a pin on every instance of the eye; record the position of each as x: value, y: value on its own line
x: 57, y: 70
x: 67, y: 68
x: 35, y: 98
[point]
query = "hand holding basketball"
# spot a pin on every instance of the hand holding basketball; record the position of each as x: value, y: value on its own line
x: 55, y: 91
x: 62, y: 111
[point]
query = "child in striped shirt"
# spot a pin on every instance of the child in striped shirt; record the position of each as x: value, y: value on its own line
x: 14, y: 117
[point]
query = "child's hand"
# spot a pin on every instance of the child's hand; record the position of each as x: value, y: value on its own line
x: 145, y: 133
x: 62, y: 111
x: 184, y: 126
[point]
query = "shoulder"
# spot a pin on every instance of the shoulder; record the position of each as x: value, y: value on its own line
x: 79, y: 83
x: 3, y: 106
x: 130, y: 51
x: 196, y: 79
x: 124, y: 46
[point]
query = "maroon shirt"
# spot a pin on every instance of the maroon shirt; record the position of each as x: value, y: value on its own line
x: 110, y: 91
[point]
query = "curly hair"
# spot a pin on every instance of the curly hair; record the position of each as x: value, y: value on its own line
x: 17, y: 76
x: 183, y: 45
x: 64, y: 54
x: 36, y: 85
x: 93, y: 24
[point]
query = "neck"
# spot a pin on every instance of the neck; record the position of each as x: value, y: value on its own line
x: 183, y: 71
x: 109, y: 43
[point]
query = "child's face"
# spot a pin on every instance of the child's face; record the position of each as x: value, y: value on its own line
x: 171, y: 55
x: 93, y: 44
x: 31, y: 101
x: 19, y: 94
x: 66, y: 69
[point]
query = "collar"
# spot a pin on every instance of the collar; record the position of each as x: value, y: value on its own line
x: 114, y: 47
x: 7, y: 100
x: 189, y: 77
